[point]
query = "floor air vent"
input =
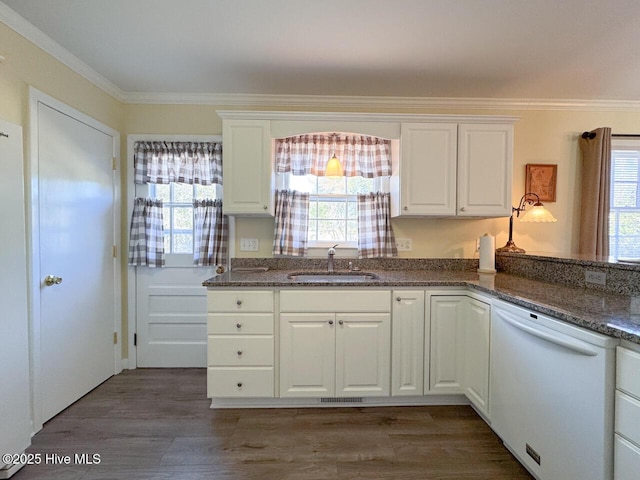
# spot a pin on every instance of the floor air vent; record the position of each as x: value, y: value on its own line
x: 341, y: 400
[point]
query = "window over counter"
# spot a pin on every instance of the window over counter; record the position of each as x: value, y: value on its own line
x: 333, y: 188
x: 624, y: 213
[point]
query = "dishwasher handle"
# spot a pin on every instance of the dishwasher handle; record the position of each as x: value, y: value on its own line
x: 556, y: 338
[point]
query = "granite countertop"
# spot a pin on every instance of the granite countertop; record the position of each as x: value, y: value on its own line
x: 610, y: 314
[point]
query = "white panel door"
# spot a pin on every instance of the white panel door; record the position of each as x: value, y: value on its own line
x: 15, y: 430
x: 446, y: 360
x: 307, y: 355
x: 171, y: 313
x: 363, y: 353
x: 407, y: 371
x: 76, y: 238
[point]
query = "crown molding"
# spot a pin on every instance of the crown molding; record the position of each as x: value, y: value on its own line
x: 372, y: 102
x: 361, y: 117
x: 53, y: 48
x: 46, y: 43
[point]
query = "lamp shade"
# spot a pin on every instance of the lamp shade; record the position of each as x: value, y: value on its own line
x: 334, y: 167
x: 538, y: 214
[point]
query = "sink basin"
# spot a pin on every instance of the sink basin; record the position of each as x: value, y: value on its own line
x: 337, y: 277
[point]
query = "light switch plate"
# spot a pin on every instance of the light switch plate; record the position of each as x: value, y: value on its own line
x: 249, y: 244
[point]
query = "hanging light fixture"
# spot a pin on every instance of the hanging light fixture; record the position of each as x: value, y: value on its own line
x: 538, y: 214
x: 334, y: 167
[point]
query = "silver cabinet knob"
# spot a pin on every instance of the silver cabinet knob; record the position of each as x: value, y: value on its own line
x: 265, y: 207
x: 239, y: 352
x: 462, y: 209
x: 239, y: 384
x: 406, y: 208
x: 398, y: 299
x: 238, y: 302
x: 238, y: 326
x: 51, y: 280
x: 330, y: 322
x: 341, y: 322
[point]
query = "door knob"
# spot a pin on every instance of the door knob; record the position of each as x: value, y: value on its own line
x: 50, y: 280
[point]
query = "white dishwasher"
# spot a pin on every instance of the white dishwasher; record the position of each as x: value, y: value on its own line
x: 552, y: 394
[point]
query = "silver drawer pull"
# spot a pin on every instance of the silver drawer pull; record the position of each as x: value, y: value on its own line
x: 239, y: 384
x: 398, y: 299
x: 238, y: 326
x: 330, y: 322
x: 341, y: 322
x: 238, y: 302
x: 239, y: 352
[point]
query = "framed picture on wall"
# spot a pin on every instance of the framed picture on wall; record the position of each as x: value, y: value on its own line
x: 541, y: 179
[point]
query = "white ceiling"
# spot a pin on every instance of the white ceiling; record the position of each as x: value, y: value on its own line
x: 526, y: 49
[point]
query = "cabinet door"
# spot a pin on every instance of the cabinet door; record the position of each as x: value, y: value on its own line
x: 248, y: 181
x: 485, y: 158
x: 428, y: 169
x: 363, y: 352
x: 407, y: 361
x: 446, y: 355
x: 307, y: 354
x: 475, y: 345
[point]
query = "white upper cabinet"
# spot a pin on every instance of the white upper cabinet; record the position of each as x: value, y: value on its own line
x: 455, y: 169
x: 485, y: 164
x: 247, y: 167
x: 428, y: 168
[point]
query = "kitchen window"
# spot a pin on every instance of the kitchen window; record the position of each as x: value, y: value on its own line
x: 333, y: 207
x: 624, y: 213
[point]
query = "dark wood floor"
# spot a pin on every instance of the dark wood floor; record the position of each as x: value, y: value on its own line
x: 156, y: 424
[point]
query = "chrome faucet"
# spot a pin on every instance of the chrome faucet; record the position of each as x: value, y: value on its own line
x: 330, y: 255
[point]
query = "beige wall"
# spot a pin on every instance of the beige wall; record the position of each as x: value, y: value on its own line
x: 540, y: 137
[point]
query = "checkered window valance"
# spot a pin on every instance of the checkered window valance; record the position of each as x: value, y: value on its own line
x: 360, y: 155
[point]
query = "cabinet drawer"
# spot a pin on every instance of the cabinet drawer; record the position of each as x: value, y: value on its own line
x: 626, y: 463
x: 240, y: 323
x: 628, y: 417
x: 239, y: 301
x: 335, y: 301
x: 628, y: 371
x: 239, y: 382
x: 235, y: 350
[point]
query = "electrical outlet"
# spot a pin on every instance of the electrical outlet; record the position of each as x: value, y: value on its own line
x: 249, y: 244
x: 403, y: 244
x: 599, y: 278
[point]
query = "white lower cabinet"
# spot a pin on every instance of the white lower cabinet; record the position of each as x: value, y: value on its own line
x: 335, y: 353
x: 240, y: 343
x: 475, y: 341
x: 445, y: 370
x: 627, y: 417
x: 459, y: 359
x: 408, y: 343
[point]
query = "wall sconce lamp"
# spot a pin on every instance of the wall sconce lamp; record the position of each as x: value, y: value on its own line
x: 538, y: 214
x: 334, y: 167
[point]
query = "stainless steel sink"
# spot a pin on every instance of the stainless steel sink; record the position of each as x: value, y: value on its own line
x: 336, y: 277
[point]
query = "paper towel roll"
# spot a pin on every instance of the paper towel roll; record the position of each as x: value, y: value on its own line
x: 487, y: 254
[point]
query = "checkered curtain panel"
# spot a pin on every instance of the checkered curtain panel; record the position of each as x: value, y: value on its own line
x: 360, y: 155
x: 375, y: 235
x: 211, y: 231
x: 146, y: 239
x: 292, y: 223
x: 183, y: 162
